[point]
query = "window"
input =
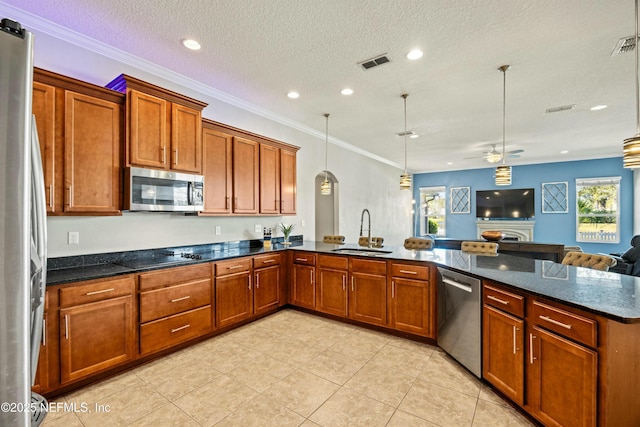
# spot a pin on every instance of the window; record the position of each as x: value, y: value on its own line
x: 598, y: 210
x: 432, y: 211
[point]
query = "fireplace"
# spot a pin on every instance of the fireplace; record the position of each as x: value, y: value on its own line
x: 521, y: 230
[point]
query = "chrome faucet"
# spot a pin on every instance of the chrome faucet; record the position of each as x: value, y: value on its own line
x: 368, y: 228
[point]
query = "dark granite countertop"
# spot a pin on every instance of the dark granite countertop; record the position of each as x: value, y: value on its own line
x: 611, y: 295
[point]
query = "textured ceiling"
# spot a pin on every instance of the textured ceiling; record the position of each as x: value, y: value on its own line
x: 258, y: 50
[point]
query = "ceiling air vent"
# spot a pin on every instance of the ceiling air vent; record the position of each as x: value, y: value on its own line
x: 407, y: 133
x: 561, y: 108
x: 624, y: 45
x: 374, y: 62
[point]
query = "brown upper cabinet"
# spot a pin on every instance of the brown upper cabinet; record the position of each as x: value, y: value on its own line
x: 164, y: 128
x: 246, y: 174
x: 80, y: 134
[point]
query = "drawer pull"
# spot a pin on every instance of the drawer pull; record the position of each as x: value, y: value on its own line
x: 501, y: 301
x: 233, y: 267
x: 555, y: 322
x: 181, y: 328
x: 301, y: 259
x: 181, y: 299
x: 269, y: 261
x: 100, y: 292
x: 408, y: 272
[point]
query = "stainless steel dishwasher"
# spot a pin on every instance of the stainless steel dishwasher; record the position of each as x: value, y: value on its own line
x: 459, y: 318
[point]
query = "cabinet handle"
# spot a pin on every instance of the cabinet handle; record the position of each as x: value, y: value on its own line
x: 249, y: 277
x: 393, y: 289
x: 66, y: 326
x: 235, y: 203
x: 44, y: 332
x: 408, y: 272
x: 275, y: 205
x: 181, y: 328
x: 531, y: 358
x: 175, y: 158
x: 226, y: 202
x: 164, y: 155
x: 501, y: 301
x: 51, y: 195
x: 353, y: 284
x: 181, y: 299
x: 70, y: 199
x: 301, y: 259
x: 282, y: 205
x: 268, y: 261
x: 555, y: 322
x: 257, y: 281
x: 100, y: 291
x: 233, y: 267
x: 312, y: 277
x: 344, y: 282
x: 515, y: 348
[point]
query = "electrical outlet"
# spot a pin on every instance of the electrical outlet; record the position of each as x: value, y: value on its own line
x: 257, y: 228
x: 74, y: 238
x: 218, y: 230
x: 302, y: 223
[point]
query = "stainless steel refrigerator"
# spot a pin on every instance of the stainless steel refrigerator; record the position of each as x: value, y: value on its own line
x: 23, y: 260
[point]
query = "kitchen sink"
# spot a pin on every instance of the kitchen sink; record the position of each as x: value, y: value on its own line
x: 362, y: 251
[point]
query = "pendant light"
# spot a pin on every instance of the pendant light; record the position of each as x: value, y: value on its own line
x: 405, y: 178
x: 631, y: 146
x: 325, y: 187
x: 503, y: 172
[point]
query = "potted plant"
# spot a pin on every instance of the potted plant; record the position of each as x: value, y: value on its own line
x: 286, y: 231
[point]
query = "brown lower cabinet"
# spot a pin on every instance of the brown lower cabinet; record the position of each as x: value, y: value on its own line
x: 332, y: 294
x: 266, y: 289
x: 413, y: 298
x: 368, y: 296
x: 97, y: 327
x: 303, y: 282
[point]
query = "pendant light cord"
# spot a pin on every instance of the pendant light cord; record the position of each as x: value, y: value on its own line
x: 404, y: 95
x: 637, y: 77
x: 504, y: 69
x: 326, y: 146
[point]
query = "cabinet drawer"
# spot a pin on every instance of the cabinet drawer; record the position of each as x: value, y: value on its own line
x: 304, y: 258
x: 175, y: 299
x: 336, y: 262
x: 565, y: 323
x: 172, y: 330
x: 266, y: 260
x: 173, y: 276
x: 96, y: 291
x: 233, y: 266
x: 368, y: 266
x: 410, y: 271
x: 505, y: 301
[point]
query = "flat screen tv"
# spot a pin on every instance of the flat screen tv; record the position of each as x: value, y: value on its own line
x: 505, y: 204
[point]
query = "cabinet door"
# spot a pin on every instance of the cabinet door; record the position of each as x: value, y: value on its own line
x: 147, y: 130
x: 186, y: 139
x: 503, y: 352
x: 562, y: 380
x: 266, y: 292
x: 41, y: 381
x: 332, y: 292
x: 411, y: 306
x: 269, y: 179
x: 287, y: 182
x: 44, y: 110
x: 233, y: 298
x: 217, y: 157
x: 245, y: 176
x: 95, y: 336
x: 303, y: 289
x: 368, y: 298
x: 92, y: 154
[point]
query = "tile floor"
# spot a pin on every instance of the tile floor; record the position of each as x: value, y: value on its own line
x: 293, y: 369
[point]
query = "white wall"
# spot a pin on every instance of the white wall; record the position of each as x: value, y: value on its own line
x: 364, y: 183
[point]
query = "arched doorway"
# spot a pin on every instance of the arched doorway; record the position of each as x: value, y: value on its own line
x: 327, y: 218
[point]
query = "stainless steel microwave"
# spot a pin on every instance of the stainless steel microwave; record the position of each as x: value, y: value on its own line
x: 162, y: 191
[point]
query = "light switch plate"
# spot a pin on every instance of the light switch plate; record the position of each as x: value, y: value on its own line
x: 218, y: 230
x: 257, y: 228
x: 74, y: 238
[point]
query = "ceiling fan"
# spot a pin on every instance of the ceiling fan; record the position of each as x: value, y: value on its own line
x: 494, y: 156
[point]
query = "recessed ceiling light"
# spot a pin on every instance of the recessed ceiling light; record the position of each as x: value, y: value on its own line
x: 414, y: 54
x: 414, y: 136
x: 346, y: 91
x: 598, y: 107
x: 564, y: 151
x: 293, y: 95
x: 191, y: 44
